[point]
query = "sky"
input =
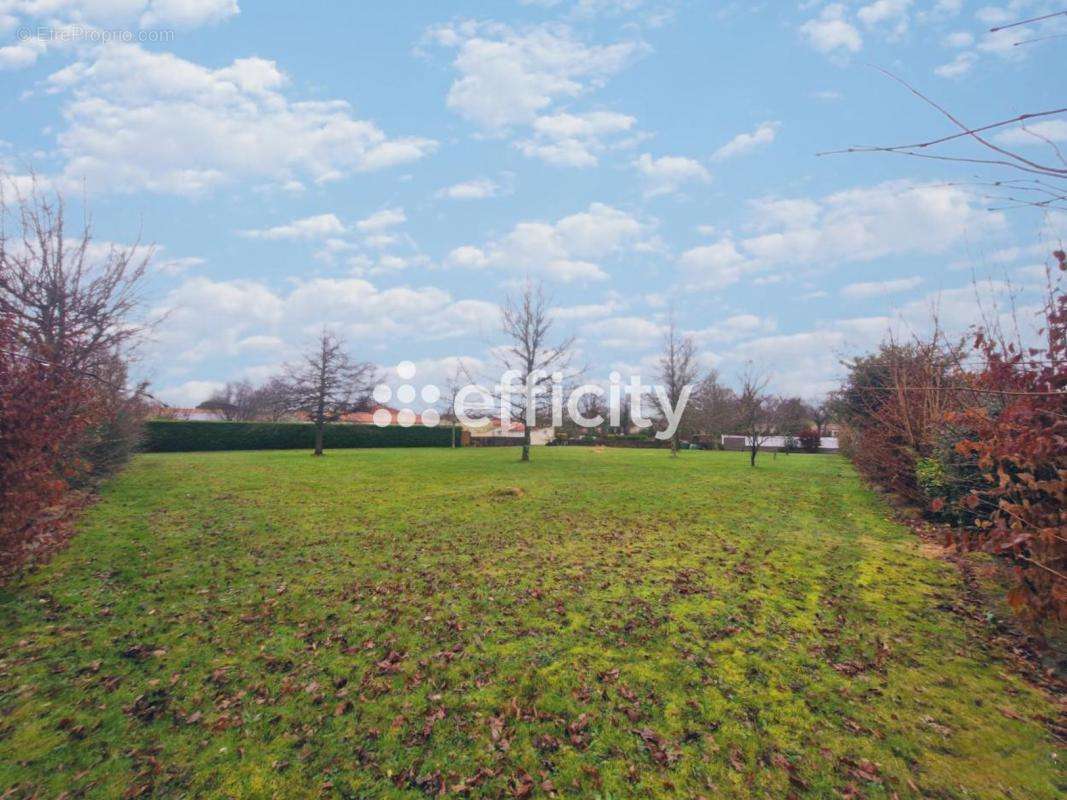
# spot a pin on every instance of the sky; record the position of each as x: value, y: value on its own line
x: 393, y: 170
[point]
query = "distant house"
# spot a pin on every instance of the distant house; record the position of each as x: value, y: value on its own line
x: 375, y: 416
x: 189, y: 414
x: 494, y: 427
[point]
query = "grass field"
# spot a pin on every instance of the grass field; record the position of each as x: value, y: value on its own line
x: 399, y: 623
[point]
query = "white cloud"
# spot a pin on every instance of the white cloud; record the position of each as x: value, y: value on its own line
x: 509, y: 77
x: 957, y: 67
x: 831, y: 33
x: 808, y: 363
x: 71, y: 20
x: 567, y: 250
x: 866, y: 290
x: 734, y: 327
x: 668, y: 174
x: 208, y: 320
x: 718, y: 264
x: 476, y: 189
x: 575, y: 140
x: 745, y: 143
x: 856, y: 225
x: 382, y: 220
x: 1035, y: 133
x: 636, y: 333
x: 186, y: 13
x: 959, y: 39
x: 316, y: 227
x: 188, y: 394
x: 141, y: 120
x: 888, y: 14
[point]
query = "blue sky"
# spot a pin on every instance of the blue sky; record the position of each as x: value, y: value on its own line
x: 393, y: 169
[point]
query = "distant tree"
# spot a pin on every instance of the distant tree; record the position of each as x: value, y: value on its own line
x: 526, y: 322
x: 754, y: 409
x: 677, y: 372
x: 457, y: 379
x: 713, y: 408
x: 325, y: 382
x: 792, y: 416
x: 821, y: 414
x: 271, y: 400
x: 241, y: 401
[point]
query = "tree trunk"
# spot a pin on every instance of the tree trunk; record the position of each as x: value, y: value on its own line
x: 453, y: 433
x: 674, y: 446
x: 526, y: 443
x: 318, y: 436
x: 752, y: 454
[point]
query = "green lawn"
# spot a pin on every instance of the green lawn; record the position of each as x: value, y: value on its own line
x: 385, y: 623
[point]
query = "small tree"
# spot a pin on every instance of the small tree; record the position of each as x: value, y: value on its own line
x: 792, y: 416
x: 677, y: 372
x: 526, y: 322
x: 241, y: 401
x: 753, y: 410
x: 325, y: 382
x: 68, y: 304
x: 714, y: 408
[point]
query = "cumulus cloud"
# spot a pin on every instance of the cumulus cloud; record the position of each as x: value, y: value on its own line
x: 205, y: 319
x: 1035, y: 133
x: 745, y: 143
x: 509, y: 77
x: 667, y: 174
x: 891, y: 15
x: 316, y: 227
x: 576, y: 140
x: 570, y: 249
x: 831, y: 33
x: 865, y: 290
x: 856, y: 225
x: 141, y: 120
x: 957, y: 67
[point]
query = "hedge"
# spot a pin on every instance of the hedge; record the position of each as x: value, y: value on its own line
x: 167, y: 436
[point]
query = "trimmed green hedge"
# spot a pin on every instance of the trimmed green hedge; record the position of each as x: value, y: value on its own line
x: 166, y: 436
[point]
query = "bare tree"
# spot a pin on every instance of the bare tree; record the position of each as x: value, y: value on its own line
x: 271, y: 400
x: 457, y: 379
x: 753, y: 409
x: 72, y: 304
x: 1028, y: 181
x: 526, y: 322
x: 677, y: 372
x: 241, y: 401
x: 325, y: 382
